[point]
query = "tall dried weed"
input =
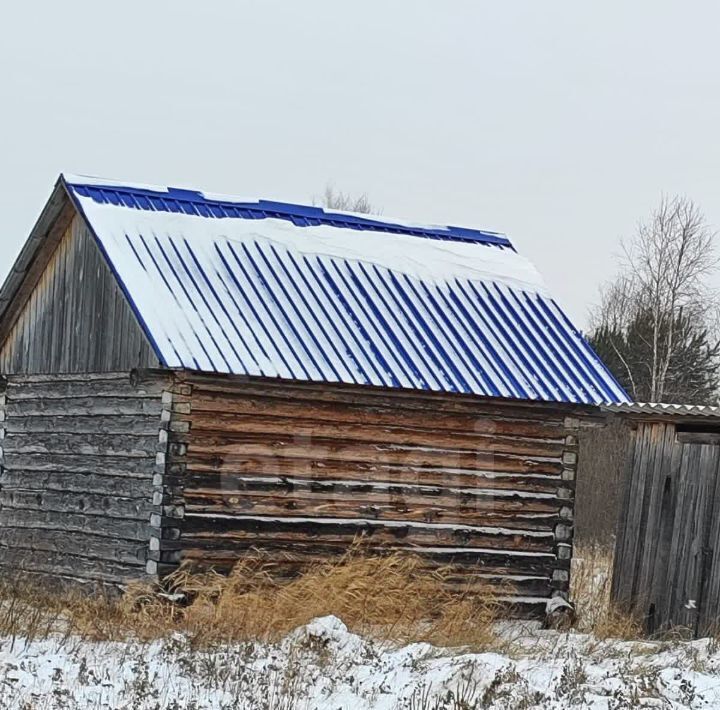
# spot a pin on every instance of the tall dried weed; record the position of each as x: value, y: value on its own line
x: 591, y: 583
x: 393, y: 598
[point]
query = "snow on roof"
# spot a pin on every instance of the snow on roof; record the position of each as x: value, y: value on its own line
x: 271, y: 289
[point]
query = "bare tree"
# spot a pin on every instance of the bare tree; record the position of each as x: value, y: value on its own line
x: 335, y: 199
x: 661, y: 295
x: 611, y: 318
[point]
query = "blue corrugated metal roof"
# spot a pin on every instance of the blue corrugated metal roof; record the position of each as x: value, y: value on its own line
x: 192, y: 202
x: 248, y: 287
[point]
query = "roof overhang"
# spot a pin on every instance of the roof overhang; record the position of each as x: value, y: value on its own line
x: 661, y: 412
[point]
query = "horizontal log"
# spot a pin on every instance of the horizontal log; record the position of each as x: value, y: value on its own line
x: 376, y: 396
x: 293, y: 433
x: 73, y: 389
x: 540, y: 518
x: 86, y: 504
x: 206, y: 554
x: 22, y: 379
x: 85, y: 406
x: 207, y: 407
x: 400, y: 480
x: 372, y: 491
x: 68, y: 583
x: 85, y: 463
x: 101, y: 525
x: 87, y: 444
x: 403, y: 504
x: 57, y: 563
x: 291, y: 470
x: 522, y: 520
x: 284, y: 458
x: 137, y: 424
x: 130, y: 552
x: 222, y: 531
x: 153, y: 377
x: 98, y: 483
x: 469, y: 563
x: 481, y: 436
x: 461, y: 578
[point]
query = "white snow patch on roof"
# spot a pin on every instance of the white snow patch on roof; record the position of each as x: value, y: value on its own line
x: 93, y: 181
x: 399, y: 221
x: 434, y: 260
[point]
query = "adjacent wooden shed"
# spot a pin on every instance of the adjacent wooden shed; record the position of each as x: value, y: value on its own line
x: 188, y: 377
x: 667, y: 561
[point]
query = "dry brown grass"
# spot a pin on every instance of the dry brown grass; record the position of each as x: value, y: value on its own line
x: 591, y: 582
x: 393, y: 598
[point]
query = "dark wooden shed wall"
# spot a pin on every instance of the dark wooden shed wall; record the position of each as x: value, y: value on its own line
x: 78, y: 457
x: 297, y: 471
x: 76, y: 317
x: 667, y: 561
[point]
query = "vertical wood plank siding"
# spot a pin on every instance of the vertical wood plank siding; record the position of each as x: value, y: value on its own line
x: 76, y: 318
x: 298, y: 471
x: 667, y: 559
x: 76, y: 483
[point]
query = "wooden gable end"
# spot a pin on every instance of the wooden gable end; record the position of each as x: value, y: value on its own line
x: 69, y: 314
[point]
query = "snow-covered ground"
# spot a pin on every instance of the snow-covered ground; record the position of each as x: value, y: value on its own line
x: 324, y: 666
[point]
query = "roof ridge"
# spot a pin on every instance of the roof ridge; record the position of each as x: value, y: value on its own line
x: 190, y: 201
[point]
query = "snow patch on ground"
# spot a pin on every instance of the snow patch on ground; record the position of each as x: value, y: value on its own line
x: 324, y: 666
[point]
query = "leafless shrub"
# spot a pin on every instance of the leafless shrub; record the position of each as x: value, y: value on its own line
x: 335, y: 199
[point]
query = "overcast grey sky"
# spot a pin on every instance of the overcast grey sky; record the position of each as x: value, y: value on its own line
x: 558, y: 123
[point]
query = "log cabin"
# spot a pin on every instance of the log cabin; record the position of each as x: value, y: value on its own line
x: 190, y: 377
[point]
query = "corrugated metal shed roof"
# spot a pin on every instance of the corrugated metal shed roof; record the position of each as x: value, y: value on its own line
x: 270, y: 289
x: 655, y: 409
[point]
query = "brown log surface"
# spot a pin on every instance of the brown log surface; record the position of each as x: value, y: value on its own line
x: 297, y: 472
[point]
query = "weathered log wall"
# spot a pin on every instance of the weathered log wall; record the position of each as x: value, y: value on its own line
x: 298, y: 471
x: 75, y: 317
x: 105, y: 479
x: 76, y: 478
x: 667, y: 560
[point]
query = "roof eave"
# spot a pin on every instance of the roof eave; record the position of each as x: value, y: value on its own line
x: 653, y: 412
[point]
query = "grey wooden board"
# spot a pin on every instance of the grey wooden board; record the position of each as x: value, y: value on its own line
x: 79, y: 544
x: 97, y: 525
x: 661, y: 589
x: 667, y: 566
x: 709, y: 618
x: 628, y: 541
x: 99, y: 483
x: 77, y: 318
x: 59, y: 563
x: 84, y: 406
x: 689, y: 523
x: 80, y: 463
x: 110, y: 506
x: 87, y: 443
x: 67, y: 389
x: 136, y: 424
